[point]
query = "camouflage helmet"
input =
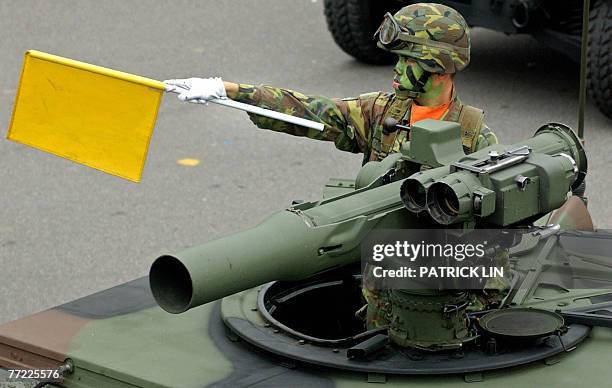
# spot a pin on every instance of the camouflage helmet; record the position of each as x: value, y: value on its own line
x: 435, y: 35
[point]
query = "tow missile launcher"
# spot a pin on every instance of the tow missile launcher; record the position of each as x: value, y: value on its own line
x: 431, y: 183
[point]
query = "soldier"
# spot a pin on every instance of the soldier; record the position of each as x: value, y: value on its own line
x: 433, y: 43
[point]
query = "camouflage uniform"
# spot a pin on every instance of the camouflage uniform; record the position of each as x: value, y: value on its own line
x: 436, y: 37
x: 354, y: 124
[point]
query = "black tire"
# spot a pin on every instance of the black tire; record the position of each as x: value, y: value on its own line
x: 352, y: 24
x: 600, y: 55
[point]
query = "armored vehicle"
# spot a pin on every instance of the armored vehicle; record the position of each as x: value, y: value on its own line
x: 283, y: 302
x: 557, y: 24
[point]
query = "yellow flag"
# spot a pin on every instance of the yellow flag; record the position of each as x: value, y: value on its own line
x: 99, y: 117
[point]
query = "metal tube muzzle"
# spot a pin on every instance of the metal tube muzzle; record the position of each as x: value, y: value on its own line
x: 450, y: 200
x: 414, y: 195
x: 171, y: 284
x: 237, y: 262
x: 413, y: 191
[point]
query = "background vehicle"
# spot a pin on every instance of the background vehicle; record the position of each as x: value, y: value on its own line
x: 556, y: 23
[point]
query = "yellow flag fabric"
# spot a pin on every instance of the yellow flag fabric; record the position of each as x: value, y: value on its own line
x: 89, y: 114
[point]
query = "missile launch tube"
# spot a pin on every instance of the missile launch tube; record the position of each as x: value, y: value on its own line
x: 290, y: 245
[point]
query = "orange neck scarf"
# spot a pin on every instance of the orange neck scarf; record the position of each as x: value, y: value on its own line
x: 418, y: 112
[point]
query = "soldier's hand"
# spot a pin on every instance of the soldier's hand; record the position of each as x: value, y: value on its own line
x: 198, y: 90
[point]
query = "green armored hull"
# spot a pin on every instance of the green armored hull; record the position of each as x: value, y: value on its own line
x: 119, y: 337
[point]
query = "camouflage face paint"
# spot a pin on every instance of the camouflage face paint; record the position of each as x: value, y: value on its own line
x: 437, y: 90
x: 410, y: 78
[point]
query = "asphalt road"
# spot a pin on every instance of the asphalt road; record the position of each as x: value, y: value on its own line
x: 67, y: 230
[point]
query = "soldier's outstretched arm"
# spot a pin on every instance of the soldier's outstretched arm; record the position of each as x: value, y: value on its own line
x: 316, y: 108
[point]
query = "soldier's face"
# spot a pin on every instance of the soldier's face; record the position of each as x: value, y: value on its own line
x: 407, y: 72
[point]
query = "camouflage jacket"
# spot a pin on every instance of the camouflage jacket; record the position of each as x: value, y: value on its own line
x: 355, y: 124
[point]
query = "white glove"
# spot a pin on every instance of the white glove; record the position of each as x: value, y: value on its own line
x: 197, y: 89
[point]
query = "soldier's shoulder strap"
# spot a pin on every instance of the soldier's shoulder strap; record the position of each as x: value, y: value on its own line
x: 471, y: 120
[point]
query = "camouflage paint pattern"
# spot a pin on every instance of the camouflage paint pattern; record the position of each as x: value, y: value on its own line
x: 117, y: 337
x: 410, y: 77
x: 444, y: 33
x: 353, y: 124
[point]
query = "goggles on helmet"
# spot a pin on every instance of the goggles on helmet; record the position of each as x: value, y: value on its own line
x: 393, y: 37
x: 389, y: 33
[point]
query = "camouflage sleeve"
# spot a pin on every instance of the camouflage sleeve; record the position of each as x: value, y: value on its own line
x: 338, y: 116
x: 486, y: 138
